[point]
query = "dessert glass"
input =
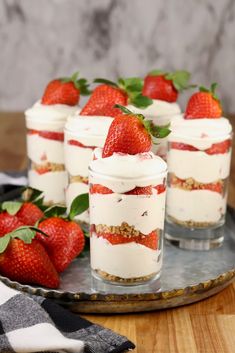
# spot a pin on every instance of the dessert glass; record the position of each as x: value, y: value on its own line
x: 127, y: 225
x: 199, y: 158
x: 45, y: 149
x: 82, y: 135
x: 161, y: 113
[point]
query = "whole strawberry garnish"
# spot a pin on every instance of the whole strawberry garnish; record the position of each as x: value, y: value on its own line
x: 165, y: 85
x: 131, y: 134
x: 204, y: 104
x: 109, y: 93
x: 27, y: 213
x: 65, y: 90
x: 65, y: 239
x: 8, y: 223
x: 24, y: 259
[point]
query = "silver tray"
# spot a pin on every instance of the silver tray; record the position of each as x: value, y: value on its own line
x: 187, y: 277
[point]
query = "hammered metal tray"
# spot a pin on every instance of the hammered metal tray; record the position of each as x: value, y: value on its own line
x: 187, y: 277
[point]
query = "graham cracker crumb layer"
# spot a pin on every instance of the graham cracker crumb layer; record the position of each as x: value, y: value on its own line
x: 191, y: 223
x: 191, y: 184
x: 78, y: 179
x: 50, y: 167
x: 111, y: 278
x: 124, y: 229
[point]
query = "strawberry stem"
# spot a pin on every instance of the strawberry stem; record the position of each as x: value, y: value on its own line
x: 210, y: 90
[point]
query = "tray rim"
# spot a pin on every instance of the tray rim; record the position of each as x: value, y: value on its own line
x: 193, y: 293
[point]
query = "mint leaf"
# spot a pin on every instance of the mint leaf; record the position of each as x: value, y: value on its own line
x: 107, y: 82
x: 55, y: 211
x: 156, y: 73
x: 79, y: 205
x: 140, y: 101
x: 12, y: 207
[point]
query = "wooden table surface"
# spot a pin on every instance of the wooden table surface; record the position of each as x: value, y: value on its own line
x: 205, y: 327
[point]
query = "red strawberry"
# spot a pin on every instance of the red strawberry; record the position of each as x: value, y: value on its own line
x: 29, y: 214
x: 65, y: 91
x: 28, y: 263
x: 100, y: 189
x: 65, y: 241
x: 8, y: 223
x: 109, y: 93
x: 165, y: 86
x: 150, y: 240
x: 144, y: 190
x: 52, y: 135
x: 42, y: 169
x: 103, y: 99
x: 131, y: 134
x: 204, y: 104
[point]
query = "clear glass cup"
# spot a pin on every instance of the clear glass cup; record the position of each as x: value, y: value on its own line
x: 126, y: 230
x: 82, y: 136
x: 45, y: 151
x: 197, y: 190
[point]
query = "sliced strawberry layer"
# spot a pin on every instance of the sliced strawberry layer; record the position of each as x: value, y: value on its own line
x: 50, y: 135
x: 160, y: 188
x: 216, y: 148
x: 150, y: 240
x: 79, y: 144
x: 217, y: 187
x: 144, y: 190
x: 100, y: 189
x: 32, y: 132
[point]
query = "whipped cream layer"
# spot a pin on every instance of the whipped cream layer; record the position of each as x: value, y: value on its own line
x: 157, y: 109
x: 90, y: 131
x: 52, y: 184
x: 72, y: 191
x: 129, y: 260
x: 198, y: 165
x: 48, y: 117
x: 41, y: 150
x: 123, y: 172
x: 196, y: 205
x: 200, y: 133
x: 144, y: 212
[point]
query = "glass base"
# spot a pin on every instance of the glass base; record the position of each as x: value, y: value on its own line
x: 130, y: 283
x: 194, y: 239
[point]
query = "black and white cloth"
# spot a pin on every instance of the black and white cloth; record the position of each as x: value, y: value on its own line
x: 35, y: 324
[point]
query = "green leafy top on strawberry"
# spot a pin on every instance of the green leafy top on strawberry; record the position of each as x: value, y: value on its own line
x: 81, y: 84
x: 132, y: 87
x: 211, y: 90
x: 154, y: 131
x: 179, y: 78
x: 25, y: 233
x: 204, y: 104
